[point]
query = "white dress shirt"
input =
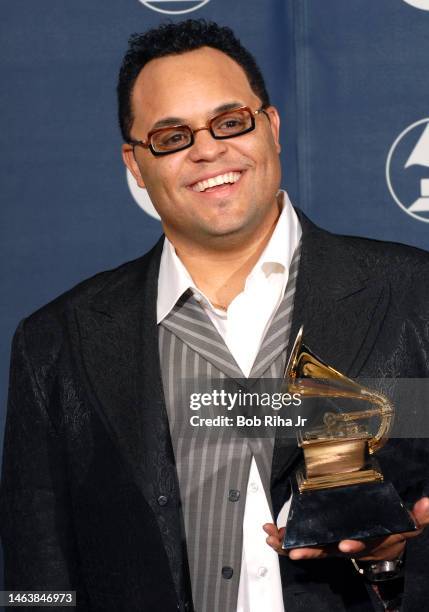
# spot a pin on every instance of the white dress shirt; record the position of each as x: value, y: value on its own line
x: 243, y: 328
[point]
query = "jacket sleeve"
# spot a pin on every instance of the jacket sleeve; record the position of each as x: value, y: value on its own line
x: 36, y: 520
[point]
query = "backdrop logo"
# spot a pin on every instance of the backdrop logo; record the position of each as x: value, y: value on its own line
x: 407, y: 170
x: 141, y: 197
x: 174, y: 7
x: 420, y: 4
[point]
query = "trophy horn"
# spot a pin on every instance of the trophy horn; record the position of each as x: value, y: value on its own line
x: 309, y: 376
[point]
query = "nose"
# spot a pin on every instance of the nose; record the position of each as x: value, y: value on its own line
x: 205, y: 147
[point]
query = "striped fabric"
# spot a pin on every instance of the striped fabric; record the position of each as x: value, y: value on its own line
x: 213, y: 468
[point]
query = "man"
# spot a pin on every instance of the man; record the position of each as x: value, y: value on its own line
x: 100, y: 492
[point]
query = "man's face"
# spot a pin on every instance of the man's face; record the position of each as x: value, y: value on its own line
x: 190, y: 87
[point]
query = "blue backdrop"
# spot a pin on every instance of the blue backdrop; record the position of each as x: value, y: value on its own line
x: 349, y: 78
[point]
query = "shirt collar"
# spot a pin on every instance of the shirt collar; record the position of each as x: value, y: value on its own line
x: 174, y: 279
x: 278, y: 253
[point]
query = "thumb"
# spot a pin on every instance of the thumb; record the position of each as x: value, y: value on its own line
x: 421, y: 512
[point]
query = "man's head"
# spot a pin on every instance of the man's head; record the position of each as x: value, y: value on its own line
x: 174, y: 39
x: 185, y: 74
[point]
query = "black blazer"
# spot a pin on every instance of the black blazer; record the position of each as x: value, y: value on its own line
x: 90, y: 498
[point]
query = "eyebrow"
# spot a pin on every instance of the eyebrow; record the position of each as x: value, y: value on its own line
x: 167, y: 121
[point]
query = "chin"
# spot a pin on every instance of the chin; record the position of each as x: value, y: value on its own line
x: 224, y: 231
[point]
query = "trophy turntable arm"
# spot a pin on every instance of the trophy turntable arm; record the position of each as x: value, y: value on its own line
x: 383, y: 408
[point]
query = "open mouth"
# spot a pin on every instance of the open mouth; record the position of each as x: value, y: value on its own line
x: 213, y: 183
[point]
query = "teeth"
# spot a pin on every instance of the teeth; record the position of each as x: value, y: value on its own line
x: 229, y: 177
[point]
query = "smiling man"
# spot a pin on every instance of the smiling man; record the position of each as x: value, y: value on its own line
x: 101, y: 492
x: 217, y: 197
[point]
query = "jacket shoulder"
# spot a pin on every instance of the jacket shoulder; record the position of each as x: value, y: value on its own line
x: 87, y: 290
x: 42, y: 334
x: 385, y: 252
x: 368, y: 256
x: 404, y: 268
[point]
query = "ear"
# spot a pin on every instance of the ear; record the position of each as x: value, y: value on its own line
x: 275, y: 125
x: 130, y: 162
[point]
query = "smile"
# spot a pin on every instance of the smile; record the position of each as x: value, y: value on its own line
x: 215, y: 181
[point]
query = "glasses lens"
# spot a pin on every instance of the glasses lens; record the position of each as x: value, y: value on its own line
x: 232, y: 123
x: 171, y: 139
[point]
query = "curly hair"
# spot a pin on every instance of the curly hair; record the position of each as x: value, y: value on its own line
x: 174, y: 39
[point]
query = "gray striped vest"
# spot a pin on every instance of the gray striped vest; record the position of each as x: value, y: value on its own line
x: 212, y: 469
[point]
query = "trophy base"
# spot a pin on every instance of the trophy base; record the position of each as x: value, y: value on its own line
x: 354, y: 512
x: 371, y: 474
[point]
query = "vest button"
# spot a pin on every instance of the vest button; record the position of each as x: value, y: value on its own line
x: 234, y: 495
x: 162, y: 500
x: 227, y: 572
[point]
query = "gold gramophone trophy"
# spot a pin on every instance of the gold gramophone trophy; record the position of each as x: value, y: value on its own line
x: 340, y: 492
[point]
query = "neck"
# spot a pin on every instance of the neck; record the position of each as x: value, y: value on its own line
x: 220, y: 273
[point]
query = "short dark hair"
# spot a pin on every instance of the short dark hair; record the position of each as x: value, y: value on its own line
x: 174, y: 39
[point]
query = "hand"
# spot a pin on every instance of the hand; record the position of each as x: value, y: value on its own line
x: 375, y: 549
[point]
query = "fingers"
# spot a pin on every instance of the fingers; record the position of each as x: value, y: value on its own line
x: 315, y: 552
x: 352, y: 547
x: 376, y: 549
x: 358, y: 547
x: 370, y: 550
x: 275, y: 538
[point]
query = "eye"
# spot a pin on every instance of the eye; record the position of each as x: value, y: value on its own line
x: 174, y: 138
x: 231, y: 123
x: 166, y: 140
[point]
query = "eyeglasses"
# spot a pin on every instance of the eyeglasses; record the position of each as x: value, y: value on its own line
x: 229, y: 124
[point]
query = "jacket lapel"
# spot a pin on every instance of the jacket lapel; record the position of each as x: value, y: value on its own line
x: 341, y: 307
x: 119, y: 346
